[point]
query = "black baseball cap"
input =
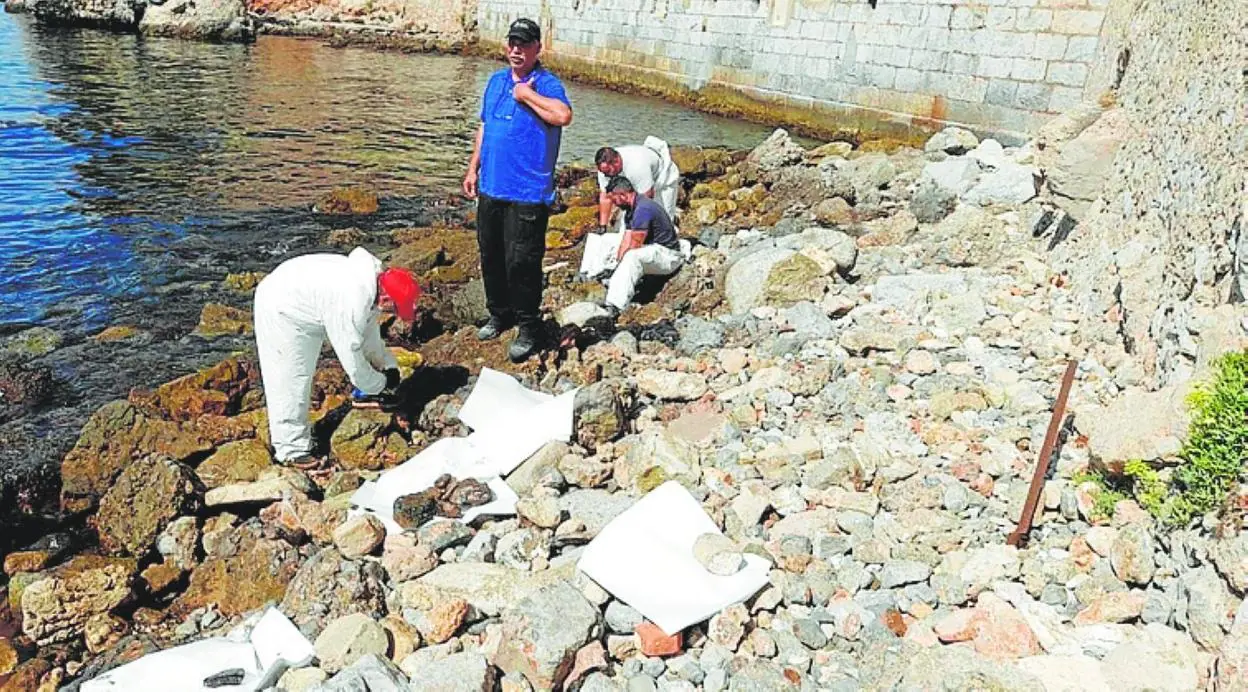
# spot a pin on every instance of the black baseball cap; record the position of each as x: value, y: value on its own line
x: 524, y: 31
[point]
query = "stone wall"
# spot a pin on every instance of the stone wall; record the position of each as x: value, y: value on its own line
x: 1162, y: 257
x: 1003, y: 65
x: 445, y: 23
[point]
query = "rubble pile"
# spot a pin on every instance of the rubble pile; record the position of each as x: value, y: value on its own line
x: 852, y: 377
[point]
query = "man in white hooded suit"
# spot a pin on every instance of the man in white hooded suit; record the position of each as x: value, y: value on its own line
x: 307, y: 300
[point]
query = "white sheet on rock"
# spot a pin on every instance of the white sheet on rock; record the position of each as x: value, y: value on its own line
x: 644, y: 557
x: 510, y: 423
x: 275, y: 645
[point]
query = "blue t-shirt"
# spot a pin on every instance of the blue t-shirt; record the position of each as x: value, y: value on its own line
x: 646, y: 215
x: 518, y: 149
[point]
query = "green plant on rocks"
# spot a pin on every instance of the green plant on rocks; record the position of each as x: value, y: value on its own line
x: 1217, y: 442
x: 1210, y: 462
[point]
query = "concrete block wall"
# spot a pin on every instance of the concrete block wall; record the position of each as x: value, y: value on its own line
x: 998, y: 65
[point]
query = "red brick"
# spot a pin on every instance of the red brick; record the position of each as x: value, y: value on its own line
x: 653, y: 642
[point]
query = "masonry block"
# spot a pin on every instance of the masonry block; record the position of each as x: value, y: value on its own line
x: 1081, y: 48
x: 1033, y: 20
x: 967, y: 18
x: 1000, y: 18
x: 1033, y: 96
x: 1001, y: 92
x: 909, y: 80
x: 957, y: 63
x: 1049, y: 47
x: 994, y: 67
x: 1028, y: 70
x: 1073, y: 74
x: 1086, y: 22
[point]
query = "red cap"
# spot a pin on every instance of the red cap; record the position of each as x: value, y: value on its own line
x: 402, y: 288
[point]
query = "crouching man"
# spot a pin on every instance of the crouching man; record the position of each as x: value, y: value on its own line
x: 649, y: 245
x: 302, y: 303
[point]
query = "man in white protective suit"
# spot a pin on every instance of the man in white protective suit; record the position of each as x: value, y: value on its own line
x: 307, y: 300
x: 648, y: 167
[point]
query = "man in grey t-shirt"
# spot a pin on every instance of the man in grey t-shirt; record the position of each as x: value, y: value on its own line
x: 650, y: 244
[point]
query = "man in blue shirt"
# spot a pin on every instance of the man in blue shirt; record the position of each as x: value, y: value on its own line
x: 649, y: 246
x: 511, y: 175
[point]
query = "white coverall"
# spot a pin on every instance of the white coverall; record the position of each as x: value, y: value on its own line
x: 650, y: 166
x: 301, y: 303
x: 646, y: 260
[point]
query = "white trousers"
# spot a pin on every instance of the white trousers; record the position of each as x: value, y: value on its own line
x: 288, y: 353
x: 646, y: 260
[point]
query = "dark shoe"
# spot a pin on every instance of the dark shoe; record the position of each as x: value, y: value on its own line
x: 523, y: 346
x: 306, y: 462
x: 492, y: 330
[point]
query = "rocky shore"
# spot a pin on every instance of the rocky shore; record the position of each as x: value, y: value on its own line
x: 853, y: 376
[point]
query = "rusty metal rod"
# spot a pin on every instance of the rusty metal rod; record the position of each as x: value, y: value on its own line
x: 1042, y: 464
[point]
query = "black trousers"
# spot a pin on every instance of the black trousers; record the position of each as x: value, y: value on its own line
x: 512, y: 239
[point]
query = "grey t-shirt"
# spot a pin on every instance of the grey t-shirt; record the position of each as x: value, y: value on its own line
x: 647, y: 215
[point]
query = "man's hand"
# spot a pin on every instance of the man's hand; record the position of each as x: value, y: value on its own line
x: 523, y: 91
x: 470, y: 184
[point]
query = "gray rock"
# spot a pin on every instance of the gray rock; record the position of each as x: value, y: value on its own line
x: 912, y: 667
x: 901, y: 572
x: 596, y: 508
x: 581, y: 313
x: 370, y: 673
x: 543, y: 631
x: 1083, y: 165
x: 598, y: 415
x: 1011, y: 183
x: 777, y: 151
x: 462, y: 672
x: 1132, y: 555
x: 440, y: 534
x: 931, y: 202
x: 671, y: 386
x: 347, y: 639
x: 686, y: 667
x: 1157, y: 608
x: 1231, y: 557
x: 952, y: 140
x: 955, y: 175
x: 810, y: 322
x: 823, y: 245
x: 718, y: 554
x: 481, y: 548
x: 621, y: 618
x: 759, y: 675
x: 520, y: 548
x: 697, y: 334
x: 1208, y: 606
x: 529, y: 474
x: 746, y: 279
x: 327, y: 587
x: 216, y: 20
x: 1153, y: 658
x: 809, y: 633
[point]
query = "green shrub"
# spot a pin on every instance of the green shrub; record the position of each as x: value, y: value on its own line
x: 1217, y: 442
x: 1210, y: 462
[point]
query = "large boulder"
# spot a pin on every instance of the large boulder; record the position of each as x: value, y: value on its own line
x: 952, y: 140
x: 113, y: 436
x: 956, y: 176
x: 1010, y: 183
x: 235, y: 462
x: 222, y: 320
x: 147, y: 496
x: 369, y: 440
x: 746, y: 280
x: 777, y: 151
x: 212, y: 20
x: 57, y: 604
x: 328, y: 587
x: 795, y: 279
x: 1142, y: 425
x: 218, y: 390
x: 542, y: 633
x: 1083, y: 164
x: 242, y: 574
x: 106, y: 14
